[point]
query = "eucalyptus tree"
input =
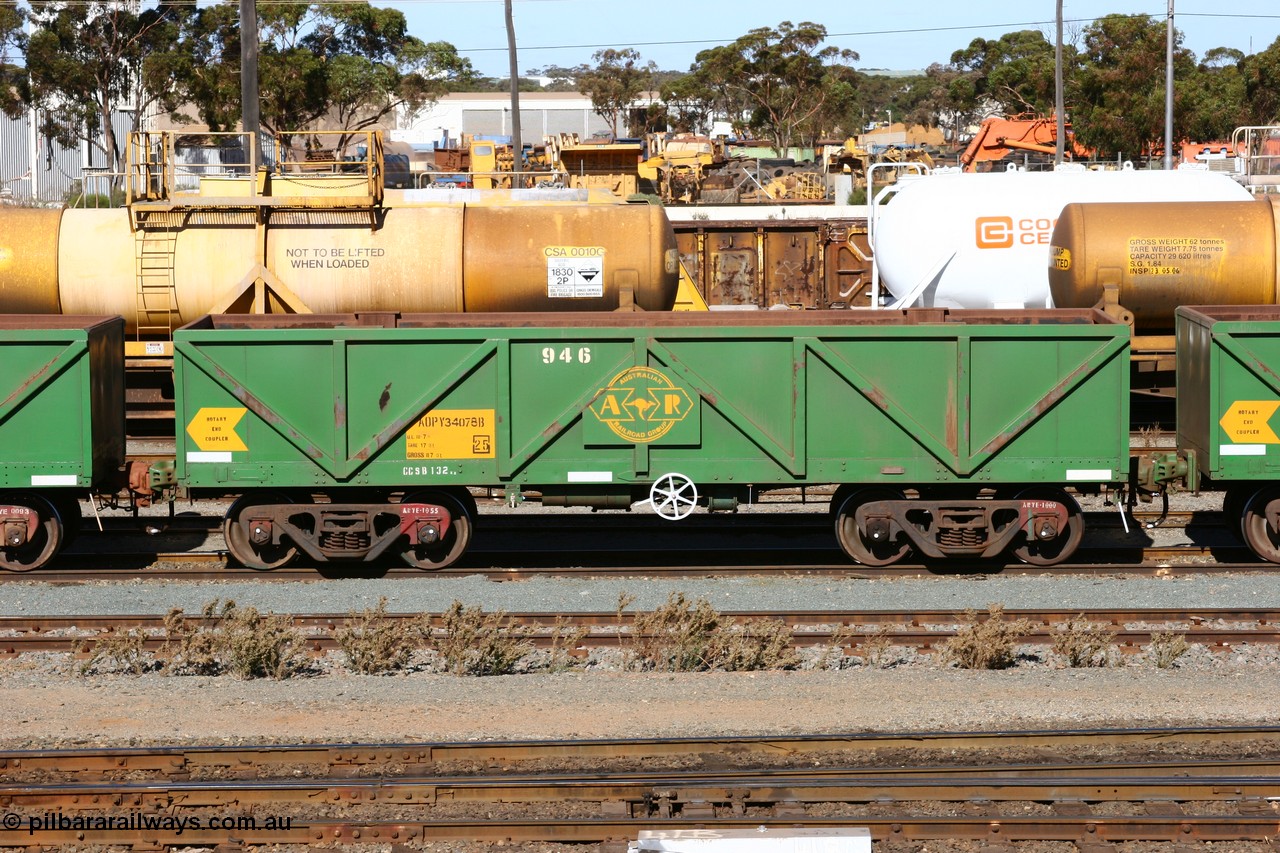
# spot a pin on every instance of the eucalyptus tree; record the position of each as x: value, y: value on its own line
x: 13, y: 44
x: 87, y: 61
x: 342, y: 66
x: 776, y: 82
x: 614, y: 83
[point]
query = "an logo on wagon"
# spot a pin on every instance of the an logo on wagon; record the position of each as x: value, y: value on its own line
x: 641, y: 404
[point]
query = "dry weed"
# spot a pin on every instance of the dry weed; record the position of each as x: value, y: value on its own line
x: 476, y: 643
x: 677, y: 637
x: 114, y: 651
x: 192, y: 647
x: 1082, y: 643
x: 565, y: 640
x: 257, y: 645
x: 877, y: 648
x: 374, y: 644
x: 985, y: 643
x: 690, y: 636
x: 1166, y: 647
x: 833, y: 656
x: 752, y: 646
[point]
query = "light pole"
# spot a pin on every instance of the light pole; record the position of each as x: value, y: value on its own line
x: 1060, y: 146
x: 517, y: 146
x: 1168, y: 92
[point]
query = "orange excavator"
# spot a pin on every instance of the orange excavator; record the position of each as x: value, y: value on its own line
x: 997, y: 137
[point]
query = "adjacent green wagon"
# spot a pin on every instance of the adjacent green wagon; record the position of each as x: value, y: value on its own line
x: 1228, y: 395
x: 61, y: 426
x: 948, y: 432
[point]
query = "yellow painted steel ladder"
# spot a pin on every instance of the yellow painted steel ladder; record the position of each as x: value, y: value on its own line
x: 155, y: 245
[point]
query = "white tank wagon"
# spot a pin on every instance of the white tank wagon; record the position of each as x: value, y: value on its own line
x: 982, y: 240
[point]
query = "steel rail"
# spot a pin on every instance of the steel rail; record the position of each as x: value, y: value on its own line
x: 1174, y: 561
x: 354, y: 756
x: 668, y: 792
x: 904, y: 827
x: 22, y: 634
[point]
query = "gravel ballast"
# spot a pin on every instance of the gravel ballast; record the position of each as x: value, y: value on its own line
x: 47, y: 704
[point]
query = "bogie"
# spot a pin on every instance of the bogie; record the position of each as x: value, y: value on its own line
x: 32, y: 531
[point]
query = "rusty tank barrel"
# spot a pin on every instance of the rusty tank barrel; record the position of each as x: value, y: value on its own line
x: 29, y: 261
x: 1160, y: 255
x: 419, y: 258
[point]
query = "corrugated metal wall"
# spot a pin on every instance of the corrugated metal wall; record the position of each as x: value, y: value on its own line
x: 534, y: 123
x: 46, y: 174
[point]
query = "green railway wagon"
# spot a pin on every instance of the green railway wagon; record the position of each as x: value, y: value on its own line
x: 1228, y: 394
x: 61, y: 426
x: 950, y: 432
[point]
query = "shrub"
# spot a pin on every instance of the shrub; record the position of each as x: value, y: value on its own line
x: 685, y: 636
x: 877, y: 647
x: 193, y: 647
x: 374, y: 644
x: 985, y: 643
x: 756, y: 644
x: 476, y: 643
x: 114, y: 651
x: 565, y: 639
x: 677, y: 637
x: 256, y: 645
x: 1166, y: 647
x: 1082, y: 643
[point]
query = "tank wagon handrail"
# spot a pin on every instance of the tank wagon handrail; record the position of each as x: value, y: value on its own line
x: 874, y: 203
x: 156, y: 173
x: 371, y: 165
x: 1255, y: 167
x: 1064, y: 317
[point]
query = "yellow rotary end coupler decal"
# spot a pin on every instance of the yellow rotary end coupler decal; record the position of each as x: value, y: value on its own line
x: 641, y: 405
x: 214, y: 428
x: 452, y: 434
x: 1246, y: 421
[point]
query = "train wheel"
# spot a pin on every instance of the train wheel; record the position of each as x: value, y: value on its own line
x: 1258, y: 534
x: 1050, y: 552
x: 40, y: 548
x: 255, y: 555
x: 442, y: 554
x: 852, y: 540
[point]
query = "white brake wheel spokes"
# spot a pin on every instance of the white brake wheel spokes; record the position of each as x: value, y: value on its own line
x: 673, y: 496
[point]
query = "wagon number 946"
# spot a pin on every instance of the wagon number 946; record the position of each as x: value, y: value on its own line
x: 550, y: 355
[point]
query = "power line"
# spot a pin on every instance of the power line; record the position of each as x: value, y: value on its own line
x: 674, y: 42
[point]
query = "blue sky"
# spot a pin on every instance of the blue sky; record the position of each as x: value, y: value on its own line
x: 895, y: 35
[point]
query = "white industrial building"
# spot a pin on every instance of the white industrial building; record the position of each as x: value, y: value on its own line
x: 489, y: 114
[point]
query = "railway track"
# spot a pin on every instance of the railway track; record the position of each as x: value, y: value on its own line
x: 591, y: 792
x: 511, y: 546
x: 924, y: 631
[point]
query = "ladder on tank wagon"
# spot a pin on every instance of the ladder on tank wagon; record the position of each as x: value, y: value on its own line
x: 155, y: 244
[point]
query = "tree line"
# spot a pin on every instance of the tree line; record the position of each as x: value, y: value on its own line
x: 781, y: 84
x: 352, y: 66
x: 321, y: 66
